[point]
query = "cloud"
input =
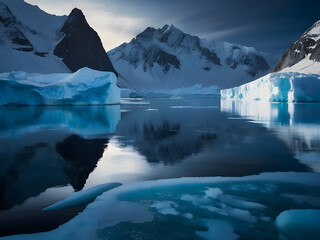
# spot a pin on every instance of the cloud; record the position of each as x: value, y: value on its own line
x: 248, y: 22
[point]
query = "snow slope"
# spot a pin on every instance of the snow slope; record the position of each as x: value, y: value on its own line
x: 86, y: 86
x: 278, y: 87
x: 167, y: 58
x: 304, y: 66
x: 37, y: 35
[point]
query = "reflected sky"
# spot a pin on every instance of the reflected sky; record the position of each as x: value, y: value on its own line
x: 66, y: 149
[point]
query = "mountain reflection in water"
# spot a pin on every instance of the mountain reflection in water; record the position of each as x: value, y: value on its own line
x: 46, y: 153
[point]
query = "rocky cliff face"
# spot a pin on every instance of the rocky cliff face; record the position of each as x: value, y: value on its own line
x: 306, y: 47
x: 81, y: 46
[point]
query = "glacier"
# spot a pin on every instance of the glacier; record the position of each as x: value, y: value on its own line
x: 84, y: 87
x: 247, y: 207
x: 278, y: 87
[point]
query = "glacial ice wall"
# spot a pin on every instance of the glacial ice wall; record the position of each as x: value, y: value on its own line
x: 278, y: 87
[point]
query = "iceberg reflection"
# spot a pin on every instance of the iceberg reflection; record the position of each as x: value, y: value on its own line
x: 295, y: 124
x: 82, y: 120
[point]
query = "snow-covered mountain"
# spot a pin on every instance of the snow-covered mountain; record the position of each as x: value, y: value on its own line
x: 167, y: 58
x: 32, y: 40
x: 304, y: 54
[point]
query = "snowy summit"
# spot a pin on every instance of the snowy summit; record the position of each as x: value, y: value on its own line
x: 167, y: 58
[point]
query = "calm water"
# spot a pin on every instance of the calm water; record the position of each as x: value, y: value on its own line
x: 47, y: 153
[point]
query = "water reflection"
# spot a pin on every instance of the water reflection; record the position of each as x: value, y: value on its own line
x: 87, y: 121
x: 295, y: 124
x: 43, y: 148
x: 191, y: 137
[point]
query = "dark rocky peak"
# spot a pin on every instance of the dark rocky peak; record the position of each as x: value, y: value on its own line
x: 76, y: 20
x: 81, y: 45
x: 149, y: 33
x: 308, y: 45
x: 165, y: 27
x: 172, y: 35
x: 146, y: 35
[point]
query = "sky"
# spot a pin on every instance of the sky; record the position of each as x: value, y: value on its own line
x: 268, y: 25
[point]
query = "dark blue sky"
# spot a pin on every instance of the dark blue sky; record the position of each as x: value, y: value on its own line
x: 268, y: 25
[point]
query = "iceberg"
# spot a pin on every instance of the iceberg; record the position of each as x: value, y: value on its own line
x: 278, y: 87
x: 82, y: 197
x: 84, y: 87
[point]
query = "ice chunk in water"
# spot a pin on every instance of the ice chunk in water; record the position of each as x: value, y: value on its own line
x: 299, y: 223
x: 82, y: 197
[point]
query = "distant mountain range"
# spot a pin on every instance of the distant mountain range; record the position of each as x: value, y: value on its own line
x: 163, y: 59
x: 32, y: 40
x: 167, y: 58
x: 304, y: 54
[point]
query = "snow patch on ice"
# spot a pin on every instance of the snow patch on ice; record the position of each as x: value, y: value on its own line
x: 213, y: 192
x: 165, y: 207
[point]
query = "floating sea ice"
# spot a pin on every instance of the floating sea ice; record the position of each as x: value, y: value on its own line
x: 213, y: 192
x: 82, y: 197
x: 240, y: 203
x: 146, y: 210
x: 299, y: 224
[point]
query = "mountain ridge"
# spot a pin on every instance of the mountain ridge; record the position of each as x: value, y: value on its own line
x: 169, y: 58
